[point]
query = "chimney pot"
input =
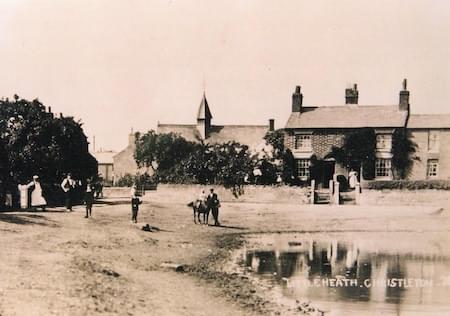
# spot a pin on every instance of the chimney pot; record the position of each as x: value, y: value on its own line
x: 271, y: 125
x: 351, y: 95
x: 297, y: 100
x: 404, y: 98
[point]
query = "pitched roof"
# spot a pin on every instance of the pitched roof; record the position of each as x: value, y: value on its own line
x: 251, y: 135
x: 203, y: 110
x: 429, y: 121
x: 104, y: 157
x: 348, y: 116
x: 188, y: 132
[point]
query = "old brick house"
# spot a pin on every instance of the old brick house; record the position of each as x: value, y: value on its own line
x: 314, y: 130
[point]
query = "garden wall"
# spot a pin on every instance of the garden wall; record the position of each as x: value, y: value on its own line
x: 186, y: 193
x: 406, y: 197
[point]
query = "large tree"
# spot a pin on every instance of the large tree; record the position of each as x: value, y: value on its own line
x: 32, y: 142
x: 403, y: 153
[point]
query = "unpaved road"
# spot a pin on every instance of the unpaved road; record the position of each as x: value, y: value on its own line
x: 58, y: 263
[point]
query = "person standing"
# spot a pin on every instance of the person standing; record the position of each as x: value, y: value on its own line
x: 68, y: 186
x: 352, y: 179
x: 213, y: 203
x: 37, y: 200
x: 89, y: 198
x: 135, y: 201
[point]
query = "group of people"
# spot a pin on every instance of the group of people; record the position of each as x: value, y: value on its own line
x: 68, y: 186
x: 211, y: 202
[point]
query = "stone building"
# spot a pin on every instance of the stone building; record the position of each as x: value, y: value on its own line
x: 204, y: 130
x: 431, y: 133
x: 124, y: 163
x: 314, y: 130
x: 105, y: 165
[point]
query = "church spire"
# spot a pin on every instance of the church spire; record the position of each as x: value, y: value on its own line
x: 204, y: 112
x: 204, y: 118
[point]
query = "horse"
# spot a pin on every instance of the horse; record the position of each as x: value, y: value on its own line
x: 200, y: 209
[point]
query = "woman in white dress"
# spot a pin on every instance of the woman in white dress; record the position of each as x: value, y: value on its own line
x: 352, y: 179
x: 37, y: 200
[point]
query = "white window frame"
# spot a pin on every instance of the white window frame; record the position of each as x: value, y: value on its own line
x: 432, y: 168
x: 384, y: 142
x: 383, y: 168
x: 303, y: 142
x: 303, y: 168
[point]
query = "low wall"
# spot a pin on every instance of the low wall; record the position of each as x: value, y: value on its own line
x: 406, y: 197
x: 186, y: 193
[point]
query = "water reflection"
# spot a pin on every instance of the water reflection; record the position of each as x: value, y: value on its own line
x: 333, y: 271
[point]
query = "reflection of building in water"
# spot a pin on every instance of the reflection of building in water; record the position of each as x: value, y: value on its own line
x: 310, y: 261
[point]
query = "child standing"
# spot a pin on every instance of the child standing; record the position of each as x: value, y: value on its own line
x: 89, y: 198
x: 135, y: 201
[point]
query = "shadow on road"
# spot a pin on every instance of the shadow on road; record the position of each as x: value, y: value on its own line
x: 27, y: 219
x: 226, y: 226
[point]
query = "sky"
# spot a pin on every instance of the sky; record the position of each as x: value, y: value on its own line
x: 122, y: 64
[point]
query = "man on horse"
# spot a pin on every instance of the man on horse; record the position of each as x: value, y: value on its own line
x: 201, y: 199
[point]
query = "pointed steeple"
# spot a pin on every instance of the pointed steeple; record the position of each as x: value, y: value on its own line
x: 203, y: 111
x: 204, y: 118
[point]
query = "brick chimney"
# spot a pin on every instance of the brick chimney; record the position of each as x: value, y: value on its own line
x: 404, y: 98
x: 297, y: 100
x: 132, y: 138
x: 271, y: 125
x: 351, y: 95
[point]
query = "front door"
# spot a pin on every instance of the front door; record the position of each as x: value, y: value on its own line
x: 327, y: 173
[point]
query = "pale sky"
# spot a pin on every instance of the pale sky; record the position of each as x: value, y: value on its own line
x: 121, y: 64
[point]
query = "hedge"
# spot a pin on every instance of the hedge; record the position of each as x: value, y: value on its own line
x: 408, y: 184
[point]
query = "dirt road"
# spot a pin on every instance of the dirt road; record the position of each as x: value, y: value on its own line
x: 59, y: 263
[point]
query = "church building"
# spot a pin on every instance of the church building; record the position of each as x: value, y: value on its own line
x: 204, y: 130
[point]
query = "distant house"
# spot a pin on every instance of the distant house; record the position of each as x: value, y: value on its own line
x: 314, y: 130
x: 124, y: 162
x: 105, y: 165
x: 204, y: 130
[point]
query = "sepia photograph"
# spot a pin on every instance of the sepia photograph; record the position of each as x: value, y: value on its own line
x: 225, y: 158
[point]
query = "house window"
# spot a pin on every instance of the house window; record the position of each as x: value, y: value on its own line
x: 384, y: 141
x: 432, y: 168
x: 303, y: 168
x: 433, y: 141
x: 383, y: 168
x: 303, y: 141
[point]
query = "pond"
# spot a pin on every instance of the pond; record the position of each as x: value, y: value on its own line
x: 355, y: 273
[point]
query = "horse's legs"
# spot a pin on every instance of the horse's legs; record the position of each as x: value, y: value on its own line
x: 195, y: 222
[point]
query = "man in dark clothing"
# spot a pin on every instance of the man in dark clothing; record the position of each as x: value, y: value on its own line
x: 135, y: 201
x: 212, y: 201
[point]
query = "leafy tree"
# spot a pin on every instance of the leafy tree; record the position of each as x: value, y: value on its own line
x: 289, y: 167
x: 358, y: 150
x: 166, y: 150
x: 403, y: 153
x: 276, y: 140
x: 32, y: 142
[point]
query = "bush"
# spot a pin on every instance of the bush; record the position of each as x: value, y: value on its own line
x: 409, y: 184
x: 143, y: 181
